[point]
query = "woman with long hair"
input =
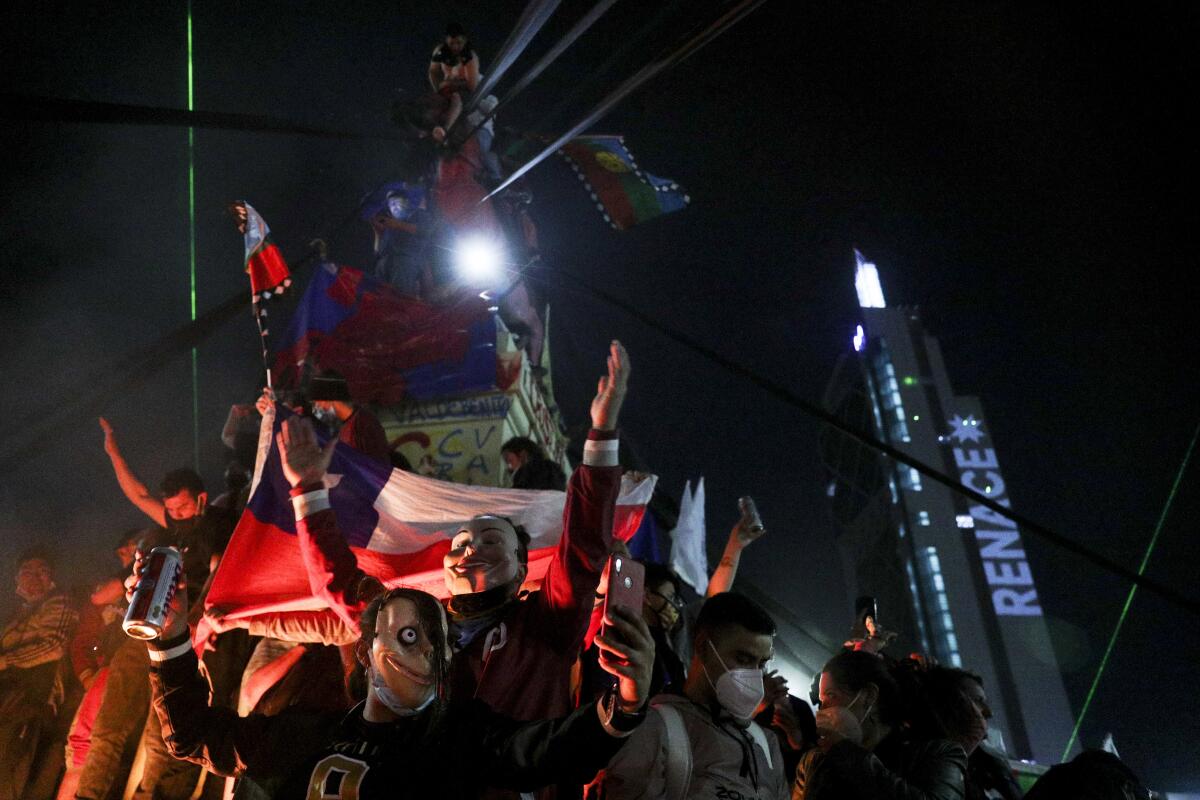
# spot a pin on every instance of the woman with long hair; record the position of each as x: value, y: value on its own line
x: 865, y: 748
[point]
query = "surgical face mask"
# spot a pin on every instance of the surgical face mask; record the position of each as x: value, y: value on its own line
x: 850, y: 705
x: 389, y: 698
x: 739, y: 691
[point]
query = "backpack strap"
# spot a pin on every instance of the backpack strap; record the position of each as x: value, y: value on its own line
x: 760, y: 737
x: 679, y: 752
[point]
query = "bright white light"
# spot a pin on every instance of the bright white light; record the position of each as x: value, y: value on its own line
x: 479, y: 261
x: 860, y: 339
x: 866, y: 283
x: 965, y: 520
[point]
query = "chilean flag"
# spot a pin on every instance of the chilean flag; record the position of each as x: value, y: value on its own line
x: 268, y: 271
x: 397, y: 524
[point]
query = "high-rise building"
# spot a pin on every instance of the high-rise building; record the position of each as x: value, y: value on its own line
x: 949, y: 575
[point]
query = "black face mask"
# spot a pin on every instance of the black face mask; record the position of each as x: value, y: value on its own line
x: 181, y: 528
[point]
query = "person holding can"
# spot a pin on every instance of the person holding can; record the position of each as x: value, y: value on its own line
x: 410, y: 736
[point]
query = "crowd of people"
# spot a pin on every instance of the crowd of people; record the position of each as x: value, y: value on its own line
x: 502, y: 689
x: 497, y: 691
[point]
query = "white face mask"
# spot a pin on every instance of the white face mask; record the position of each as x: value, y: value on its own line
x: 739, y: 691
x: 389, y: 699
x: 850, y: 705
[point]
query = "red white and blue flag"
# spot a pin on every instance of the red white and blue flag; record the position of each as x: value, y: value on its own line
x: 398, y: 525
x: 268, y: 271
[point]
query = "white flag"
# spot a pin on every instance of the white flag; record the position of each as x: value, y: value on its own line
x: 689, y: 554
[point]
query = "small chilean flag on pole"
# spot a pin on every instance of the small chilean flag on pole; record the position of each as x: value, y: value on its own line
x: 268, y: 271
x: 264, y: 263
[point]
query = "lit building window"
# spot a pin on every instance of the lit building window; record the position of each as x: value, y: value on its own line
x: 866, y: 283
x: 914, y: 480
x: 943, y: 621
x: 964, y: 520
x: 923, y: 518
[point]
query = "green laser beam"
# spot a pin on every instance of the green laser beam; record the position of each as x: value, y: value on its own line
x: 1162, y: 518
x: 192, y: 243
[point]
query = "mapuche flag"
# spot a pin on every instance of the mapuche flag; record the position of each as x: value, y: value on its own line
x: 623, y: 193
x: 398, y: 525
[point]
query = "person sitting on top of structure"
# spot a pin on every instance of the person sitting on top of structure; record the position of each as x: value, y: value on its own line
x: 453, y: 70
x: 529, y: 466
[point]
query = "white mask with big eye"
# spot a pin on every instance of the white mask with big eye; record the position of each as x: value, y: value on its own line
x: 399, y: 667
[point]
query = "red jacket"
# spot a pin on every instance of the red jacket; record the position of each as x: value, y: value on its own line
x: 522, y: 666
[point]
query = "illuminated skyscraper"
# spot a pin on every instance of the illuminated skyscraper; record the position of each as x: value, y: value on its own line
x: 951, y: 577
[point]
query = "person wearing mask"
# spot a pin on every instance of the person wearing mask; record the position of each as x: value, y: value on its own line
x: 185, y: 521
x: 704, y: 743
x: 865, y: 750
x: 412, y: 735
x: 33, y: 641
x: 354, y: 425
x: 514, y: 650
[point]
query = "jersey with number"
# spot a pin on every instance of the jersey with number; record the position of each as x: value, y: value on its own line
x: 447, y: 751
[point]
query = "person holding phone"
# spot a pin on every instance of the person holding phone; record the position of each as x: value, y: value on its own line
x: 411, y: 736
x: 514, y: 650
x: 705, y: 743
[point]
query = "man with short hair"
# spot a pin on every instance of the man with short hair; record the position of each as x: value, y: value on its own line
x: 453, y: 72
x: 32, y: 643
x: 705, y: 743
x: 200, y: 533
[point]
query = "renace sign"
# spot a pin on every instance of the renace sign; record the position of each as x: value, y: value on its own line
x: 1004, y: 565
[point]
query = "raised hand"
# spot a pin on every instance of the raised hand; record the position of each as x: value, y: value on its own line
x: 836, y: 724
x: 304, y: 460
x: 610, y: 391
x: 110, y: 436
x: 627, y: 651
x: 265, y: 400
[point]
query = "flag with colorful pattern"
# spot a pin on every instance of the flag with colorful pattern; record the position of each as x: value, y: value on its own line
x: 623, y: 193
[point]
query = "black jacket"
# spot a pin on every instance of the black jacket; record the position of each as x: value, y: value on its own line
x: 898, y: 769
x: 447, y: 751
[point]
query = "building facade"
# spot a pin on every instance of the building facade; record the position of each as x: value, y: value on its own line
x: 950, y: 576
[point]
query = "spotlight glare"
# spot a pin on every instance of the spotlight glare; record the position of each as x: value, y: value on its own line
x: 479, y: 261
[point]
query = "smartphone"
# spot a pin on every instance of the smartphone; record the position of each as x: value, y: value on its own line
x: 626, y: 584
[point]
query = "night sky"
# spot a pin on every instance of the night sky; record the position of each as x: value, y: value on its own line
x: 1020, y: 174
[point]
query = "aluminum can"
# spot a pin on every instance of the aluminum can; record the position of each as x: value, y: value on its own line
x: 152, y: 595
x: 750, y: 513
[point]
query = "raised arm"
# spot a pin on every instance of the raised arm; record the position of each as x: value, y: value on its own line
x: 216, y: 738
x: 571, y: 579
x: 743, y: 534
x: 333, y: 573
x: 133, y: 488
